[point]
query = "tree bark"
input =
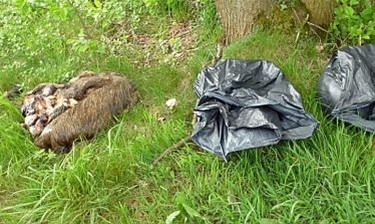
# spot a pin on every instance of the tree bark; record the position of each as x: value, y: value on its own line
x: 320, y: 11
x: 238, y: 17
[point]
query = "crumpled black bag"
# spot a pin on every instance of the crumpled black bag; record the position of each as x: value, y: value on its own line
x: 347, y: 86
x: 247, y: 104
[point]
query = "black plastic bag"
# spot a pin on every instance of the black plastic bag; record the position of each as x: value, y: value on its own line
x: 347, y: 86
x: 247, y: 104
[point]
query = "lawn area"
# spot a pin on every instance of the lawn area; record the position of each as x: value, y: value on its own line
x: 328, y: 178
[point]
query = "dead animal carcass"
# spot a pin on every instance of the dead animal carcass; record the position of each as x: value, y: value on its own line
x: 58, y: 114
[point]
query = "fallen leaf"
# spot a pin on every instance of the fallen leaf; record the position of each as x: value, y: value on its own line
x: 172, y: 217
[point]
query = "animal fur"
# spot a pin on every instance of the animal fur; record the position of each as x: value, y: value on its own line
x: 81, y: 108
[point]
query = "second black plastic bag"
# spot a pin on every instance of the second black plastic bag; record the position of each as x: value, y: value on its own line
x: 347, y: 86
x: 247, y: 104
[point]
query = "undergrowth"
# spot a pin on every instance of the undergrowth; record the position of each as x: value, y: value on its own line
x: 354, y: 22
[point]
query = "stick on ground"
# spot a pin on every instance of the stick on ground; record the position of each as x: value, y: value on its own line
x: 174, y: 147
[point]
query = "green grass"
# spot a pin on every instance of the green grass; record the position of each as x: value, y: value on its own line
x: 328, y: 178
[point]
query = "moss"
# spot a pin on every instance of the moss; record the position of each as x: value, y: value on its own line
x: 285, y: 16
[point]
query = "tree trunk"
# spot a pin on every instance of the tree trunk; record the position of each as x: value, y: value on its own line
x: 238, y: 17
x: 320, y: 11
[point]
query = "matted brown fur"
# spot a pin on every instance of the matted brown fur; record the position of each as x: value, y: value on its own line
x: 98, y: 98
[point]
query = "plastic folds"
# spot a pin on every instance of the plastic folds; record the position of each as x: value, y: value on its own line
x: 347, y: 86
x: 247, y: 104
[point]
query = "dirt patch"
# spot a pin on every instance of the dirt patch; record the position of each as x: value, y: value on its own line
x: 170, y: 47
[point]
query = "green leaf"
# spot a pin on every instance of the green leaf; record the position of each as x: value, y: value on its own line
x: 191, y: 212
x: 90, y: 5
x: 366, y: 37
x: 354, y: 2
x: 368, y: 14
x: 172, y: 217
x: 63, y: 14
x: 180, y: 198
x: 98, y: 4
x: 353, y: 30
x: 349, y: 11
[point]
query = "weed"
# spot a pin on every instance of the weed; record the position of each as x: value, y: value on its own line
x: 354, y: 22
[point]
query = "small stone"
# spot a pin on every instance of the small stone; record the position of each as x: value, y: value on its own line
x: 171, y: 103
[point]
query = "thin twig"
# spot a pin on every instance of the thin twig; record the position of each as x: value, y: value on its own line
x: 326, y: 31
x: 301, y: 25
x: 299, y: 20
x: 322, y: 29
x: 174, y: 147
x: 320, y: 39
x: 319, y: 27
x: 296, y: 14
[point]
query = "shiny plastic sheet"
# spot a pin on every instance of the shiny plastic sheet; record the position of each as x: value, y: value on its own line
x: 347, y: 86
x: 247, y: 104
